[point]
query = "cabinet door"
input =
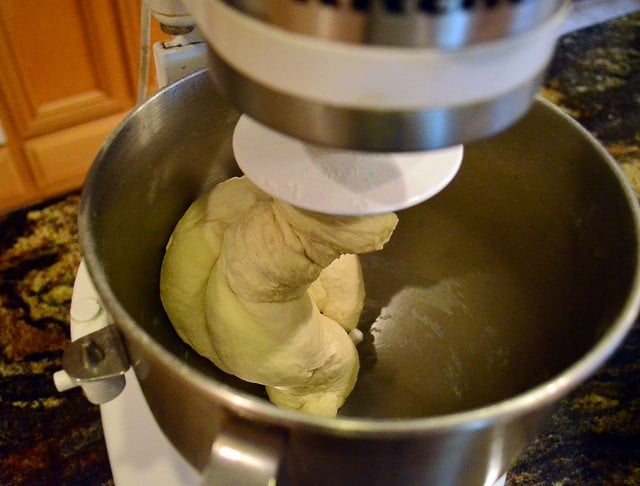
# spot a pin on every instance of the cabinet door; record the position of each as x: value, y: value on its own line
x: 65, y: 83
x: 63, y: 63
x: 14, y: 186
x: 68, y: 75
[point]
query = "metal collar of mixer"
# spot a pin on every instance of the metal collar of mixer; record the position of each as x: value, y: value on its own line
x: 377, y: 97
x: 446, y: 24
x: 368, y: 130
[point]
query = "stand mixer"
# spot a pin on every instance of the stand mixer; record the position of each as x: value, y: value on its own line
x: 367, y: 100
x: 352, y: 107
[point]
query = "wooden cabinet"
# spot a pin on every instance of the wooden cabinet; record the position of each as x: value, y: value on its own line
x: 68, y: 71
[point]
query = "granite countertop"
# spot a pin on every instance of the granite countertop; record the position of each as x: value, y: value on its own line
x: 51, y: 438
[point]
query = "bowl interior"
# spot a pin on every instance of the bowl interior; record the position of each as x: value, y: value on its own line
x: 497, y: 284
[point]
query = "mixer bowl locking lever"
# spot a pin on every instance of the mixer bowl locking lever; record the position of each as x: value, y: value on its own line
x: 95, y: 359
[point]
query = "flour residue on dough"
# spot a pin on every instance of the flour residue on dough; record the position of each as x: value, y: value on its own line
x: 269, y: 292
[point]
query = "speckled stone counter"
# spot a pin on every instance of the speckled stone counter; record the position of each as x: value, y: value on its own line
x: 52, y: 438
x: 45, y: 437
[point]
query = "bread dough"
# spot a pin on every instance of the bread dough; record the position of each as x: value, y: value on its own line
x: 243, y: 283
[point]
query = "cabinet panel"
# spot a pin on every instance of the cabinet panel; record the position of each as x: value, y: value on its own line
x: 63, y: 62
x: 59, y: 161
x: 68, y: 74
x: 13, y: 190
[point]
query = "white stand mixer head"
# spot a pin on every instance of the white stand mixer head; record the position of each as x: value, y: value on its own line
x: 337, y: 181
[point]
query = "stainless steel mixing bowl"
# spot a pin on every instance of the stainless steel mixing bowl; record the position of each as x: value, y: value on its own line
x: 492, y: 301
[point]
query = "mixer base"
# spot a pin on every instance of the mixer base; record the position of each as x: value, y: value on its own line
x: 139, y: 453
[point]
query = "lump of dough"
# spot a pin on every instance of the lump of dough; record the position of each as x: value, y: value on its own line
x: 339, y: 293
x: 193, y: 248
x: 237, y: 283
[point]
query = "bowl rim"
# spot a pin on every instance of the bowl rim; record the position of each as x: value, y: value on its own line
x: 258, y: 409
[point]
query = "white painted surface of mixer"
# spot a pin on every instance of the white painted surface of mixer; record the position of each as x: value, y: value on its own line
x: 139, y: 453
